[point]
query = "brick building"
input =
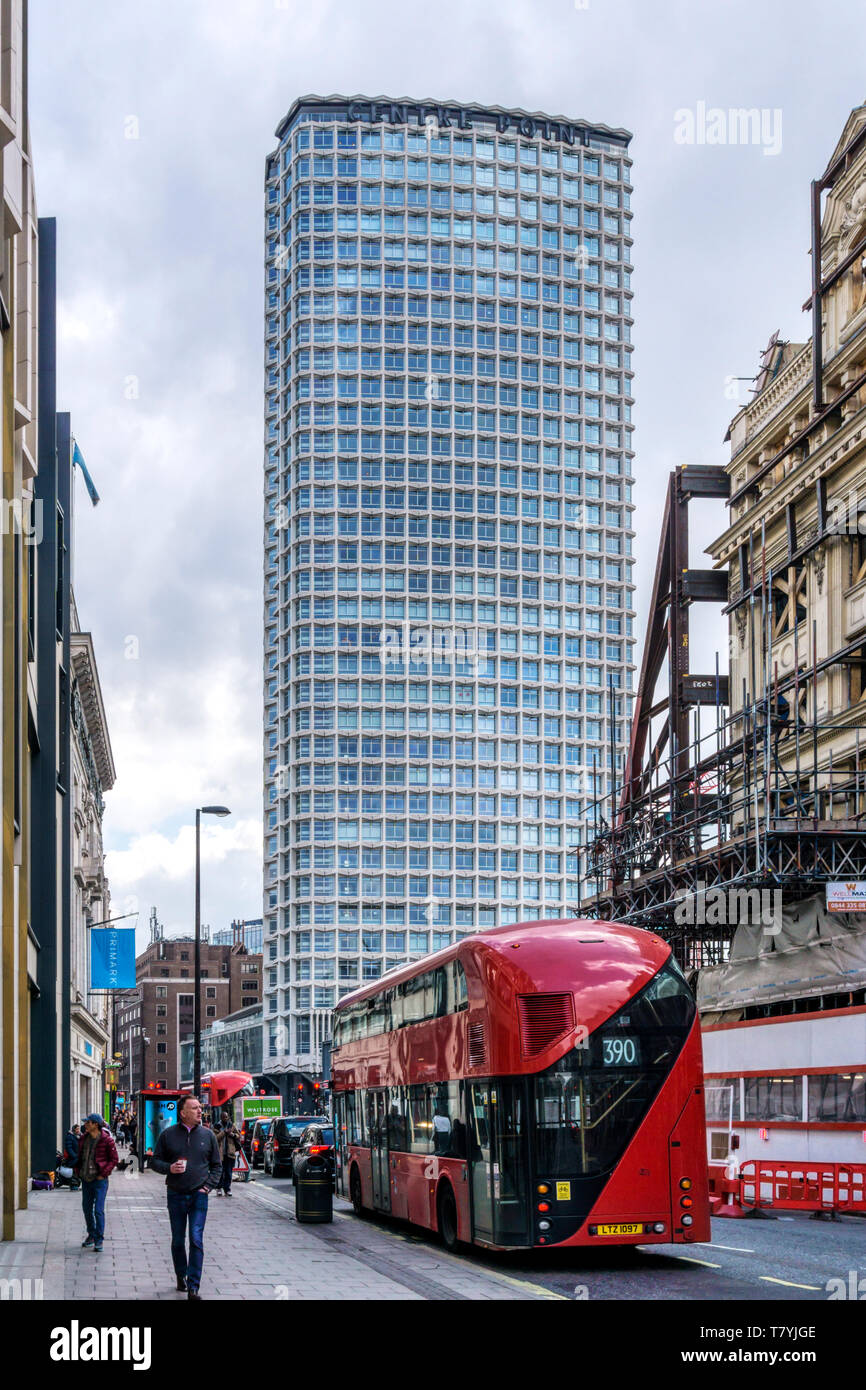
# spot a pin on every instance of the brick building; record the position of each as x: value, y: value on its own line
x: 162, y: 1004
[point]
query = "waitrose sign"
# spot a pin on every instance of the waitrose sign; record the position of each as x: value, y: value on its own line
x: 254, y: 1106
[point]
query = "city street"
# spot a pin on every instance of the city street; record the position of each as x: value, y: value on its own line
x: 255, y: 1250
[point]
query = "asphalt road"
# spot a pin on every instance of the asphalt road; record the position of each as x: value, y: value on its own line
x: 789, y: 1257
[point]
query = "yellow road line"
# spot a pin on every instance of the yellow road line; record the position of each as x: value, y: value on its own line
x: 768, y: 1279
x: 537, y: 1289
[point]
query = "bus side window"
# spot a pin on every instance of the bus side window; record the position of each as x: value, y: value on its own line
x: 421, y: 1136
x: 440, y: 993
x: 458, y: 985
x: 415, y: 999
x: 398, y: 1138
x: 370, y: 1112
x: 398, y: 1011
x: 354, y: 1101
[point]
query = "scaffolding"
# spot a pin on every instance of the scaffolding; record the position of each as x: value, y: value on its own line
x: 766, y: 789
x: 771, y: 796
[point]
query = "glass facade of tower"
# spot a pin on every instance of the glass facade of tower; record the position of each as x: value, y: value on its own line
x: 448, y: 572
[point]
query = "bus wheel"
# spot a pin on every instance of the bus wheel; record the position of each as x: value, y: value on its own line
x: 355, y: 1193
x: 446, y: 1216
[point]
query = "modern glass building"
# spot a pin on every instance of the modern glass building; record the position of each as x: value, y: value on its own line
x: 250, y: 932
x: 448, y: 573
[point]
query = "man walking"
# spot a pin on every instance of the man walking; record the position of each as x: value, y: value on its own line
x: 188, y: 1155
x: 97, y: 1159
x: 229, y: 1141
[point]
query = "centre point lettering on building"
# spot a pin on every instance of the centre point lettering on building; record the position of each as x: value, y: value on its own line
x: 464, y: 117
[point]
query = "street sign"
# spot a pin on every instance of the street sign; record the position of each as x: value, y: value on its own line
x: 846, y: 897
x: 241, y: 1169
x: 251, y: 1107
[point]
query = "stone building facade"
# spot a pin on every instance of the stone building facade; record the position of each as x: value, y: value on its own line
x: 795, y: 546
x: 92, y: 776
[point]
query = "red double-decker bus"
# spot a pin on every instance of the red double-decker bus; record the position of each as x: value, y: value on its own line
x: 533, y: 1085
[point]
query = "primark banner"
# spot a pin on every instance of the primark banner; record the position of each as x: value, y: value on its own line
x: 112, y: 958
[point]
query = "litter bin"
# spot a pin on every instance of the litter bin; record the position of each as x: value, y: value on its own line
x: 314, y: 1199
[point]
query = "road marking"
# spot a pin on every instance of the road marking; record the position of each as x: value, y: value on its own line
x: 715, y: 1244
x: 768, y: 1279
x: 692, y: 1261
x: 538, y: 1289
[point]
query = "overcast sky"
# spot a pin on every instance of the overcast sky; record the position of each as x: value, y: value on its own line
x: 150, y: 125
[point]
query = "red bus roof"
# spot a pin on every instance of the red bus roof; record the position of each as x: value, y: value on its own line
x: 222, y: 1086
x: 603, y: 963
x: 585, y: 971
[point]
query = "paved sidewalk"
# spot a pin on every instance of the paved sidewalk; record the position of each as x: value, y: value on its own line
x: 254, y: 1249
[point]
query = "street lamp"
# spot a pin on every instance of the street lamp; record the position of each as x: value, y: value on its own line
x: 196, y: 1017
x: 144, y: 1044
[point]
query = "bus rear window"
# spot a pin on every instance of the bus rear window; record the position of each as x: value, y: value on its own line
x: 589, y: 1104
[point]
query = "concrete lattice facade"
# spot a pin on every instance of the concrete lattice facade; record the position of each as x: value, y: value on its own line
x: 448, y: 473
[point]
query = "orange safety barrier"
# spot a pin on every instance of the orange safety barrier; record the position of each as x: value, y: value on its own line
x: 779, y: 1186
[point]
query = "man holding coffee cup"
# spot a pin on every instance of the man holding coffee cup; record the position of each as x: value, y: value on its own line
x: 188, y: 1155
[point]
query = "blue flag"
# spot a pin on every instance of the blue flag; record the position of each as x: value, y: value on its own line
x: 78, y: 457
x: 112, y: 958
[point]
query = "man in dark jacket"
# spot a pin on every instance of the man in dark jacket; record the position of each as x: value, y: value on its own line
x: 96, y: 1160
x: 71, y: 1145
x: 228, y: 1143
x: 188, y: 1154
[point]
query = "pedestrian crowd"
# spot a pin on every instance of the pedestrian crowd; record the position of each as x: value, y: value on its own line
x: 125, y: 1127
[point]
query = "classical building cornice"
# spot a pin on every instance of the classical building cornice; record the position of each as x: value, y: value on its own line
x: 84, y: 1020
x: 87, y: 676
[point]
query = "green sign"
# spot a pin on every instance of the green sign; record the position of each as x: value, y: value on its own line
x: 253, y: 1106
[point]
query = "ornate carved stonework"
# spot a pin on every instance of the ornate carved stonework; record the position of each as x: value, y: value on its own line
x: 819, y: 560
x: 741, y: 626
x: 854, y: 216
x: 859, y: 295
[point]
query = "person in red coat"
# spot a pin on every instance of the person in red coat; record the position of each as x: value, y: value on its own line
x: 97, y: 1159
